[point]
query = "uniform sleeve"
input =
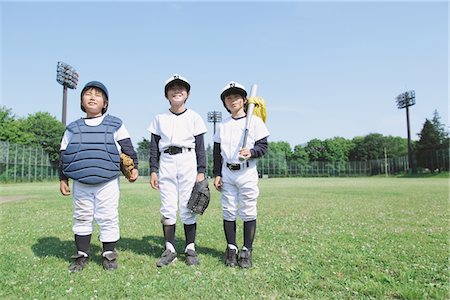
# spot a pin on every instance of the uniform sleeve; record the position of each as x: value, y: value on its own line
x: 200, y: 153
x: 154, y: 153
x: 153, y: 127
x: 217, y: 158
x: 121, y: 133
x: 60, y: 168
x: 199, y: 127
x: 216, y: 138
x: 127, y: 147
x: 260, y: 129
x: 65, y: 140
x: 260, y: 148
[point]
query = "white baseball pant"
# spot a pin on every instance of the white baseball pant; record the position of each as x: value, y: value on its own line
x: 239, y: 193
x: 177, y: 175
x: 99, y: 202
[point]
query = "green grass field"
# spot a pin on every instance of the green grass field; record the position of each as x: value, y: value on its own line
x: 317, y: 238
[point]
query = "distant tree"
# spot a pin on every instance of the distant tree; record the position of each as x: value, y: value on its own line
x: 299, y: 155
x: 315, y: 149
x: 274, y: 163
x: 432, y: 138
x: 11, y: 129
x: 337, y: 149
x: 442, y: 132
x: 370, y: 147
x: 281, y: 147
x: 45, y: 131
x: 144, y: 147
x: 209, y: 161
x: 396, y: 146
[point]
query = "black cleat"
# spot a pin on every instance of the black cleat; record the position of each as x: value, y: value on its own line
x: 245, y: 259
x: 109, y: 260
x: 231, y: 257
x: 80, y: 262
x: 191, y: 258
x: 166, y: 258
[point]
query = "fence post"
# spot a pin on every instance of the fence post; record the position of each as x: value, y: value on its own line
x: 15, y: 164
x: 35, y: 164
x: 23, y: 162
x: 7, y: 158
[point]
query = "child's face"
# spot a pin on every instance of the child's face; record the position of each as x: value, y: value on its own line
x: 93, y: 102
x: 177, y: 94
x: 234, y: 103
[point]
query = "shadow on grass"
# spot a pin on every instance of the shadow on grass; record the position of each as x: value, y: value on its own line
x: 154, y: 246
x: 149, y: 245
x: 53, y: 246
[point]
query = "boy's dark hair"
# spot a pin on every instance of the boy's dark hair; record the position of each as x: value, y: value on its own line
x: 234, y: 88
x: 98, y: 86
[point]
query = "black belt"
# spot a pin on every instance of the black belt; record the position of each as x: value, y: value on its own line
x: 172, y: 150
x: 236, y: 167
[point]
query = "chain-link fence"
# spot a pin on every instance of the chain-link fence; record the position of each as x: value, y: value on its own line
x: 25, y: 163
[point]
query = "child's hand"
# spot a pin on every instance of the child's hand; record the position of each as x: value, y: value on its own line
x: 64, y: 187
x: 134, y: 175
x: 200, y: 177
x: 244, y: 154
x: 154, y: 180
x: 218, y: 183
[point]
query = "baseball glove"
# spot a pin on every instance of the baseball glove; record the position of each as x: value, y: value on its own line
x: 200, y: 197
x: 126, y: 165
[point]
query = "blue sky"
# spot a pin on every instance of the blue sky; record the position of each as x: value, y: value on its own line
x: 325, y: 69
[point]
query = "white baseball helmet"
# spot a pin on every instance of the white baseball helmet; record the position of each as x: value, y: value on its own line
x: 179, y: 80
x: 233, y: 88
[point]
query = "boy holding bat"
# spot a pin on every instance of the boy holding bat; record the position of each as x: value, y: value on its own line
x: 235, y: 170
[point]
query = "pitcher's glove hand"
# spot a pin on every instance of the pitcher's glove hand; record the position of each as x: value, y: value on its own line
x: 200, y: 197
x: 126, y: 165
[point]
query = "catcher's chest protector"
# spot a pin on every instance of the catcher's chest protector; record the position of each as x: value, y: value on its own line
x: 92, y: 156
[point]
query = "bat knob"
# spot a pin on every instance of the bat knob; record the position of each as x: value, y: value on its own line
x: 241, y: 158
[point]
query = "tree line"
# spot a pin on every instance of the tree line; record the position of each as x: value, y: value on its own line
x: 42, y: 129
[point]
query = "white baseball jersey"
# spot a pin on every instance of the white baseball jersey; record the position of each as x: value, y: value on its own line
x: 240, y: 187
x: 177, y: 173
x: 177, y: 129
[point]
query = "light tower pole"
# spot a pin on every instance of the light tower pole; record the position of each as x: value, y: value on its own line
x: 405, y: 100
x: 68, y: 78
x: 214, y: 117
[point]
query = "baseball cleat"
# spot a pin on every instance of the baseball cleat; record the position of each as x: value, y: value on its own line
x: 231, y: 257
x: 166, y: 258
x: 191, y: 258
x: 80, y: 262
x: 245, y: 259
x: 109, y: 260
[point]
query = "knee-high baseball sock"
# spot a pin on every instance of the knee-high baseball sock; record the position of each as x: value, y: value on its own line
x: 229, y: 227
x: 249, y: 234
x: 83, y: 243
x: 190, y: 233
x: 109, y: 246
x: 169, y: 234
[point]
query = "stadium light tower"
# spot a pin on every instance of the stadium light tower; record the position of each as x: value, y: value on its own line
x: 68, y: 78
x: 405, y: 100
x: 214, y: 117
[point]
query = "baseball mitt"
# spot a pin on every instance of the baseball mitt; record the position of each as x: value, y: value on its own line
x: 126, y: 165
x: 200, y: 197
